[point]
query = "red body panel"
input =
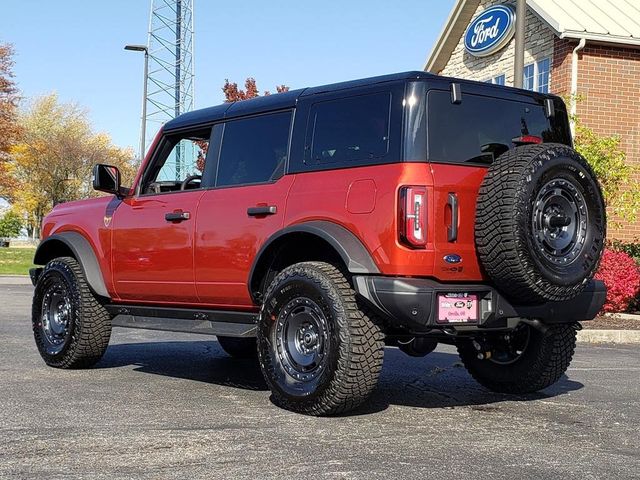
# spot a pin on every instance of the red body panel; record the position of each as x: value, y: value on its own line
x: 206, y: 259
x: 227, y: 239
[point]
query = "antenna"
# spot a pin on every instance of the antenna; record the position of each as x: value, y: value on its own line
x: 170, y: 78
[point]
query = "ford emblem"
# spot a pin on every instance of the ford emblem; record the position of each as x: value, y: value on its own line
x: 490, y: 31
x: 452, y: 258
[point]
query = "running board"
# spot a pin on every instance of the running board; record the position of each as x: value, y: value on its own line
x: 208, y: 322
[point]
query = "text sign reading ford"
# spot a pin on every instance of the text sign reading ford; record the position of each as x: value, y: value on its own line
x: 490, y: 31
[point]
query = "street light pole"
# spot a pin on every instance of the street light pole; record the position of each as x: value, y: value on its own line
x: 518, y: 61
x: 143, y: 128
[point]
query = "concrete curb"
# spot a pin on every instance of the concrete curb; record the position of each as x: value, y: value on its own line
x: 15, y: 280
x: 608, y: 336
x: 624, y: 316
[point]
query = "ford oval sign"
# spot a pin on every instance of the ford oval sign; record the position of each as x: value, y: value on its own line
x: 490, y: 31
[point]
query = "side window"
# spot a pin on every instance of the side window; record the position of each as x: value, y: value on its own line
x: 481, y: 128
x: 349, y: 130
x: 180, y: 157
x: 254, y: 150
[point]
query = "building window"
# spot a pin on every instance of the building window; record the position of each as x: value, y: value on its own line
x: 499, y: 80
x: 536, y: 76
x: 543, y: 75
x: 528, y: 77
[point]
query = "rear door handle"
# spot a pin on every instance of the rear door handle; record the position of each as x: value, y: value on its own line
x: 452, y: 230
x: 262, y: 210
x: 177, y: 216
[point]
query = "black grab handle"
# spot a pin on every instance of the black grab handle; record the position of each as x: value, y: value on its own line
x: 259, y: 211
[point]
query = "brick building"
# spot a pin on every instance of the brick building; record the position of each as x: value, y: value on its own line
x: 588, y: 48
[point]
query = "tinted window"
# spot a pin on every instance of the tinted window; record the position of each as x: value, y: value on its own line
x: 254, y: 149
x: 350, y: 129
x: 481, y: 128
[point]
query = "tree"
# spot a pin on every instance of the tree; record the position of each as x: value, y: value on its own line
x: 9, y: 128
x: 52, y: 162
x: 233, y: 94
x: 10, y: 225
x: 618, y: 179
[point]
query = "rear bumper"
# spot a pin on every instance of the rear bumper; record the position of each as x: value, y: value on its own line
x: 411, y: 303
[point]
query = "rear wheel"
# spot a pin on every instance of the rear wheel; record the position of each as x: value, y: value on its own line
x: 70, y: 325
x: 524, y: 360
x: 319, y: 353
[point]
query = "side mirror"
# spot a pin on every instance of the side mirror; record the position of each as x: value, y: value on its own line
x: 106, y: 178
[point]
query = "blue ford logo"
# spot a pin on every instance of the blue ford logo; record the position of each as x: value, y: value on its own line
x: 452, y: 258
x: 490, y: 31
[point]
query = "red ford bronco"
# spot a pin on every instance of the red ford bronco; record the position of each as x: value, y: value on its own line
x: 311, y: 228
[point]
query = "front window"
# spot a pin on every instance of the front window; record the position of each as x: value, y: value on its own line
x: 181, y: 157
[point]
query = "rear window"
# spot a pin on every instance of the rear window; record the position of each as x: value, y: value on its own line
x: 480, y: 129
x: 351, y: 130
x: 254, y: 149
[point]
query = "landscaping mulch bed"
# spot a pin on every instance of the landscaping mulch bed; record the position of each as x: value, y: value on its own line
x: 612, y: 322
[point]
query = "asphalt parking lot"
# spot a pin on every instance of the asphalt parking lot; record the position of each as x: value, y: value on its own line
x: 163, y: 405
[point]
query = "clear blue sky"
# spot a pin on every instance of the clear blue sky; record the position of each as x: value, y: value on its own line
x: 75, y: 47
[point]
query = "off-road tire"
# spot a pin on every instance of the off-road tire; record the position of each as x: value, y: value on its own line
x: 355, y: 344
x: 86, y: 337
x: 511, y: 245
x: 239, y: 347
x: 542, y: 363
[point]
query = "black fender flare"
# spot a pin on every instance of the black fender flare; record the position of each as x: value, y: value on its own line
x: 82, y: 251
x: 353, y: 253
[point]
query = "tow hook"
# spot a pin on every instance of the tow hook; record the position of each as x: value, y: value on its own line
x: 482, y: 349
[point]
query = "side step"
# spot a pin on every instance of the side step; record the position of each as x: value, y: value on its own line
x: 208, y: 322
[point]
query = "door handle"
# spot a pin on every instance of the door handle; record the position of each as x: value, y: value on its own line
x: 177, y: 216
x: 452, y: 230
x: 262, y: 210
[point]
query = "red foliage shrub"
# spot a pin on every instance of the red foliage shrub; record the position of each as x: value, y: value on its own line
x: 621, y: 275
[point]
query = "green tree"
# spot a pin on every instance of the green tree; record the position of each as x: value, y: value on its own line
x: 618, y: 178
x: 10, y: 225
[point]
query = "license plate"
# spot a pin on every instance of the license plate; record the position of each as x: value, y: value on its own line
x: 457, y: 308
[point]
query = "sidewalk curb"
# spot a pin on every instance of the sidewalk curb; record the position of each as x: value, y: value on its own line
x: 15, y: 280
x: 624, y: 316
x: 608, y: 336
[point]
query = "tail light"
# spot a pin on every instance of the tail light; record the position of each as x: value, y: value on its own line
x: 413, y: 216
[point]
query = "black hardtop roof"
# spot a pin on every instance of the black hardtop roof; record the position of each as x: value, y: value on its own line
x: 281, y: 101
x: 278, y: 101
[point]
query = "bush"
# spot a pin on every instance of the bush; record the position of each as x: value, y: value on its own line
x: 631, y: 248
x: 10, y: 225
x: 621, y: 275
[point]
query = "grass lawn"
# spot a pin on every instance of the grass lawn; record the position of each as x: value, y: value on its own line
x: 16, y: 261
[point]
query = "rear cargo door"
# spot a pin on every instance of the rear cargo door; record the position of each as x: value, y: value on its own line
x: 465, y: 135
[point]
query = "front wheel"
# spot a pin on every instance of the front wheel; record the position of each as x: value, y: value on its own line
x: 319, y: 353
x: 70, y: 325
x: 524, y: 360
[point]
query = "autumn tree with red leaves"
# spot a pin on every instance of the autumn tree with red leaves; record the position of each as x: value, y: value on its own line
x: 233, y: 94
x: 9, y: 127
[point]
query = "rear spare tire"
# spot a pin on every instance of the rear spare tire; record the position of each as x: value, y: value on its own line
x: 540, y: 223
